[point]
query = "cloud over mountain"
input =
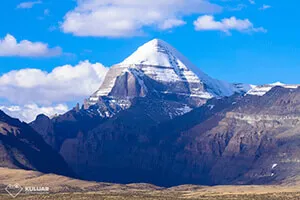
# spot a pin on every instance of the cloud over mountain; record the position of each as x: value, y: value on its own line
x: 118, y: 18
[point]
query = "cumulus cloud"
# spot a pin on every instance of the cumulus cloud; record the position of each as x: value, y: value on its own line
x: 265, y: 7
x: 119, y: 18
x: 62, y: 84
x: 28, y: 4
x: 9, y: 46
x: 28, y: 113
x: 208, y: 23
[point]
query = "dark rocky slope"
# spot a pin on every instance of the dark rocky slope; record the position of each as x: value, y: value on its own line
x: 23, y: 148
x: 136, y: 145
x: 69, y: 125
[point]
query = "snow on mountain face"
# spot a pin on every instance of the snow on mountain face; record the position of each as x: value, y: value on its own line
x: 159, y: 53
x: 159, y: 61
x: 170, y: 72
x: 263, y: 89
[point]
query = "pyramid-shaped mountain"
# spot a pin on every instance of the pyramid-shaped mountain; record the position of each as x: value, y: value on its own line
x: 158, y: 70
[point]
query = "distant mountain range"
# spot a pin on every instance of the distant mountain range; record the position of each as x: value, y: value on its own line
x: 158, y: 119
x: 260, y: 90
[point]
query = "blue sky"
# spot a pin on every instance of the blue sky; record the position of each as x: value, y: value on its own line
x: 265, y: 51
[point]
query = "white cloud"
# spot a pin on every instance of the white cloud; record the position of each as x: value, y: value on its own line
x: 62, y: 84
x: 9, y: 46
x: 168, y: 24
x: 265, y: 7
x: 28, y: 4
x: 208, y: 23
x: 252, y: 2
x: 28, y: 112
x: 119, y: 18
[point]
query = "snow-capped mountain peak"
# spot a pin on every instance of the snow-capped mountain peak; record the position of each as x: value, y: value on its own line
x: 156, y: 52
x: 158, y: 68
x: 162, y: 63
x: 159, y: 53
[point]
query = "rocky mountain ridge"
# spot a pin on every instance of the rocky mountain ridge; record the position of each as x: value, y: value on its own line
x: 233, y: 140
